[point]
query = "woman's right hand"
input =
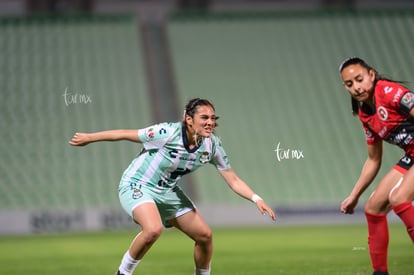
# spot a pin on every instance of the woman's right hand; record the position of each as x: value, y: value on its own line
x: 80, y: 139
x: 349, y: 204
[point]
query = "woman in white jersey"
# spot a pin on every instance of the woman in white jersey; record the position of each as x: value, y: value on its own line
x: 148, y: 189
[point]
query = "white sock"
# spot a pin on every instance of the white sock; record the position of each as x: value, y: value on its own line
x: 128, y: 264
x: 200, y: 271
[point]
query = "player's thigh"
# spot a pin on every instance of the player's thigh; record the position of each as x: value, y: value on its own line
x: 148, y: 217
x: 404, y: 191
x: 139, y: 203
x: 193, y: 225
x: 378, y: 202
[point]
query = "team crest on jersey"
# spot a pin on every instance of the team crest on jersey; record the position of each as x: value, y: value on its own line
x: 382, y: 112
x: 205, y: 157
x: 136, y: 194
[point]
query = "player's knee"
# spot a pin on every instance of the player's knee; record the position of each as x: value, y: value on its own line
x: 205, y: 237
x: 373, y: 207
x: 369, y: 207
x: 396, y: 197
x: 377, y: 207
x: 151, y: 234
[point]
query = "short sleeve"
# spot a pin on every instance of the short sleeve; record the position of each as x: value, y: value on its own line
x: 397, y: 97
x: 220, y: 159
x: 155, y: 136
x: 370, y: 137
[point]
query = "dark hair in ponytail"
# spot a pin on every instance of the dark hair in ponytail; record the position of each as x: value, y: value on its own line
x: 356, y: 60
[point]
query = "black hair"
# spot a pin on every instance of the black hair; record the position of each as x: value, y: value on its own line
x: 352, y: 61
x: 356, y: 60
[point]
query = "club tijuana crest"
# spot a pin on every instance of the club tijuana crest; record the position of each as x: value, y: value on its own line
x: 382, y: 113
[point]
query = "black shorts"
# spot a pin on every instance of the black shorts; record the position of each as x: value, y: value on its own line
x: 404, y: 164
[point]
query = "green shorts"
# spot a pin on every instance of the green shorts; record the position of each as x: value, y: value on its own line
x: 171, y: 204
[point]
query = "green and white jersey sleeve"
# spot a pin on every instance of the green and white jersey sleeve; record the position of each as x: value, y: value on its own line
x: 156, y: 136
x: 220, y: 159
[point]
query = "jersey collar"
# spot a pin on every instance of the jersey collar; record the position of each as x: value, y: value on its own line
x: 185, y: 141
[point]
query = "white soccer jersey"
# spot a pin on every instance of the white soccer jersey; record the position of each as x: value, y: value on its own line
x: 166, y: 157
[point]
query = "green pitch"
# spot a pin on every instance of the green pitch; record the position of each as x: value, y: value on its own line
x: 276, y: 250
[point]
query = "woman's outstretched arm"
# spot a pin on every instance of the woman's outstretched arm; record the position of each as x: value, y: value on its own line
x: 82, y: 139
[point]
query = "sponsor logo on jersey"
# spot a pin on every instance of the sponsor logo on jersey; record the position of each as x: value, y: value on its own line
x: 382, y: 113
x: 383, y: 132
x: 397, y: 96
x: 406, y: 160
x: 399, y: 137
x: 150, y: 133
x: 387, y: 89
x: 162, y: 131
x: 407, y: 100
x: 402, y: 138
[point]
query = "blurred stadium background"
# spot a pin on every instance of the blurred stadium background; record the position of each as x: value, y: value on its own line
x: 270, y: 68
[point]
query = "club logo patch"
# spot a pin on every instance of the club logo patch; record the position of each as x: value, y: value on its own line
x: 205, y: 157
x: 137, y: 194
x: 382, y: 113
x: 407, y: 100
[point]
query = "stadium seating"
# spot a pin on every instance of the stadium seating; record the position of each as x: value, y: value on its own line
x: 285, y: 122
x: 274, y: 80
x: 61, y: 75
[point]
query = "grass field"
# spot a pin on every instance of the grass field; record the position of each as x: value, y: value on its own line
x: 276, y: 250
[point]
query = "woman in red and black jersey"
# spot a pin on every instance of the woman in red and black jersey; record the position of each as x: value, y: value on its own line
x: 385, y: 108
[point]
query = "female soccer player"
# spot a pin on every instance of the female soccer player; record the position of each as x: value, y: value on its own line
x: 148, y: 189
x: 385, y: 108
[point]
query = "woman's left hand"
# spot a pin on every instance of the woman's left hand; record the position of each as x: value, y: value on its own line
x: 264, y: 208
